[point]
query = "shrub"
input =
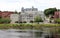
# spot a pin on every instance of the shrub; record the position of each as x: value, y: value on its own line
x: 57, y: 21
x: 24, y: 21
x: 31, y: 21
x: 38, y: 19
x: 5, y: 20
x: 16, y: 22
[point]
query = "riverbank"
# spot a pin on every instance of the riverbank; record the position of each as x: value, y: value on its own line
x: 54, y: 28
x: 27, y: 26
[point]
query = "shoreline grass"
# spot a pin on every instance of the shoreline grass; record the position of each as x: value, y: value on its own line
x: 27, y: 26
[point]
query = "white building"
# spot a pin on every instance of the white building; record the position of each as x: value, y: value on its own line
x: 14, y: 18
x: 29, y: 14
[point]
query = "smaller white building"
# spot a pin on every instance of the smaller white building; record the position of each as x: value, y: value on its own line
x: 14, y: 18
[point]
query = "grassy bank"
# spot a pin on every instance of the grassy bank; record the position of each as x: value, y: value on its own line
x: 27, y: 26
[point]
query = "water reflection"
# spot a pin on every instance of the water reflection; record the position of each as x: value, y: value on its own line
x: 13, y: 33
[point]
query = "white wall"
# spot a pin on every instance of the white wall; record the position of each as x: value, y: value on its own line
x: 25, y: 15
x: 14, y: 18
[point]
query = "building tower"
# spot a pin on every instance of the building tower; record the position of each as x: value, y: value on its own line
x: 22, y: 9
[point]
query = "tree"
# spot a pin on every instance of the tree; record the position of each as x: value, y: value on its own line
x: 58, y: 9
x: 16, y: 12
x: 38, y: 19
x: 49, y: 11
x: 19, y: 13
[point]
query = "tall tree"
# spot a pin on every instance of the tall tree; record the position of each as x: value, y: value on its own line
x: 49, y: 11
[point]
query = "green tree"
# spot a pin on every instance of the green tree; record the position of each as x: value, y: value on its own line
x: 49, y: 11
x: 38, y: 19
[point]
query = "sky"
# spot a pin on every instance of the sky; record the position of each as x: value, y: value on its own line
x: 12, y: 5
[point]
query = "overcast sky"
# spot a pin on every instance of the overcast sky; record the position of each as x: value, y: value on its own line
x: 12, y: 5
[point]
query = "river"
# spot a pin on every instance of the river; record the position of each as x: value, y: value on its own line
x: 13, y: 33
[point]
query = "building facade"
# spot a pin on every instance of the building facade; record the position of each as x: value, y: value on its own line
x: 14, y: 18
x: 5, y: 14
x: 28, y: 9
x: 57, y: 14
x: 29, y: 14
